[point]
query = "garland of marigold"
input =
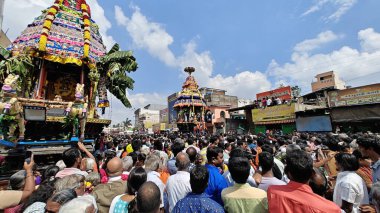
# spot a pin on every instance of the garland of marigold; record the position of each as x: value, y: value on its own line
x: 47, y: 24
x: 87, y: 34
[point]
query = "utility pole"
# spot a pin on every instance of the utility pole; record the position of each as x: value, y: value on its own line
x: 1, y: 13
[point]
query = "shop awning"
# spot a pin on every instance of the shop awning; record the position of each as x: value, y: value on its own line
x: 276, y: 122
x: 356, y: 113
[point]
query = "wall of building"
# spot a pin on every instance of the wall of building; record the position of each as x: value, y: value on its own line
x: 326, y: 80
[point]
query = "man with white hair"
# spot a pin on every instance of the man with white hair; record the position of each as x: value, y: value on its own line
x: 127, y: 164
x: 152, y: 164
x: 178, y: 185
x: 84, y: 204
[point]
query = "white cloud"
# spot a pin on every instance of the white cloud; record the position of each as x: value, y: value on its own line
x: 153, y: 37
x: 369, y: 40
x: 357, y: 66
x: 340, y: 7
x: 147, y: 35
x: 98, y: 15
x: 312, y: 44
x: 118, y: 113
x: 27, y: 10
x: 244, y: 84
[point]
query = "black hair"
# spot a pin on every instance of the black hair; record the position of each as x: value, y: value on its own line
x: 158, y: 145
x: 70, y: 156
x: 148, y: 198
x: 49, y: 173
x: 134, y: 157
x: 267, y: 148
x: 213, y: 152
x: 368, y: 142
x: 239, y: 168
x: 237, y: 152
x: 190, y: 141
x: 240, y: 143
x: 299, y: 165
x: 192, y: 153
x: 199, y: 179
x: 226, y: 145
x: 41, y: 194
x: 136, y: 178
x: 213, y: 139
x: 141, y: 157
x: 358, y: 154
x: 136, y: 145
x: 348, y: 162
x: 177, y: 148
x: 266, y: 161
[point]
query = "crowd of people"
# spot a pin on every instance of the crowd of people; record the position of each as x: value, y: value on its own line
x: 301, y: 172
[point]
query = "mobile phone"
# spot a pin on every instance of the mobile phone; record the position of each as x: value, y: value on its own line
x: 28, y: 156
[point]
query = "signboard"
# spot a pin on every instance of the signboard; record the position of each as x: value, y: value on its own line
x: 55, y: 112
x: 355, y: 96
x: 35, y: 113
x: 284, y: 93
x: 274, y: 113
x: 314, y: 124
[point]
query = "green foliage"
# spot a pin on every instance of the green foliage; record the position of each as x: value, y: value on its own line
x: 114, y: 68
x: 21, y: 65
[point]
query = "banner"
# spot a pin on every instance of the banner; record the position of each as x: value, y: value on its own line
x: 355, y: 96
x: 274, y: 113
x: 284, y: 93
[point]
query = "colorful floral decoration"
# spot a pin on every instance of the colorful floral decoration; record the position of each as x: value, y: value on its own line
x: 65, y: 34
x: 47, y: 24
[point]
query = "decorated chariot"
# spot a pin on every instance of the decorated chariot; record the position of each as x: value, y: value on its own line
x: 54, y: 77
x: 190, y: 105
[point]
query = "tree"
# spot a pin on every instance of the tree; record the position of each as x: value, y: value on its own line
x: 127, y: 122
x: 113, y: 69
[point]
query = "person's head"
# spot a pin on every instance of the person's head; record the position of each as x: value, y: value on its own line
x: 177, y: 148
x: 299, y: 166
x: 267, y: 148
x: 74, y: 181
x: 190, y: 141
x: 148, y: 198
x: 127, y: 163
x: 92, y: 180
x: 133, y: 155
x: 292, y: 147
x: 228, y: 146
x: 242, y: 144
x: 80, y: 205
x: 369, y: 146
x: 136, y: 145
x: 141, y: 157
x: 198, y: 159
x: 199, y: 179
x: 266, y: 161
x: 214, y: 140
x: 346, y: 162
x: 58, y: 199
x: 17, y: 180
x: 41, y: 194
x: 215, y: 156
x: 366, y: 162
x: 158, y: 145
x: 192, y: 153
x: 375, y: 192
x: 87, y: 164
x: 239, y: 168
x: 182, y: 161
x: 136, y: 178
x: 114, y: 167
x: 50, y: 173
x: 318, y: 183
x: 152, y: 163
x: 61, y: 165
x: 72, y: 158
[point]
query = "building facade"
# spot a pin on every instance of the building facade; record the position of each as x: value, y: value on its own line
x: 147, y: 116
x: 327, y: 80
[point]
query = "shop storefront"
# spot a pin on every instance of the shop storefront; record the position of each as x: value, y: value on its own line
x: 280, y: 118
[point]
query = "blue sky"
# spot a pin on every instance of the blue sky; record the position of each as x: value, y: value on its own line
x: 244, y: 47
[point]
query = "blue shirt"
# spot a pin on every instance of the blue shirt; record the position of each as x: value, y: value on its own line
x: 171, y: 166
x: 376, y: 171
x: 199, y: 203
x: 216, y: 184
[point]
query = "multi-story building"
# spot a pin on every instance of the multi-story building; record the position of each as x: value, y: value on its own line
x: 241, y: 103
x: 327, y: 80
x: 147, y: 116
x: 218, y: 104
x: 172, y: 113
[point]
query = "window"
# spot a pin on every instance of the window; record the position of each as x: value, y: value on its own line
x: 222, y: 114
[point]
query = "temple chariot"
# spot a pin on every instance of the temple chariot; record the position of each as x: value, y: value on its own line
x: 54, y: 77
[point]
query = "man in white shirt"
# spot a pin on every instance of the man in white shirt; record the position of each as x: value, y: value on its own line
x: 178, y: 185
x: 152, y: 163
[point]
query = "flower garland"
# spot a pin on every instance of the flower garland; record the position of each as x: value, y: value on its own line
x: 47, y: 24
x: 87, y: 34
